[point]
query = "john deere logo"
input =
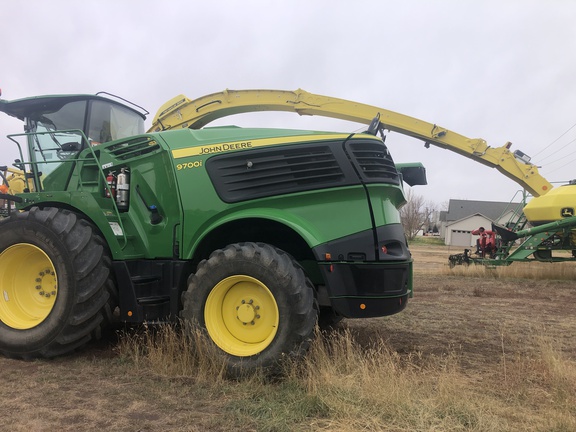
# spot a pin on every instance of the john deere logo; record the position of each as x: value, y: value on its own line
x: 567, y: 212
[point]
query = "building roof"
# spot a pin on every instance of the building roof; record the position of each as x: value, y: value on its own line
x: 468, y: 217
x: 460, y: 209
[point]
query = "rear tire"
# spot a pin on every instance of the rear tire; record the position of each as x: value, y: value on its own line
x: 56, y: 288
x: 256, y: 305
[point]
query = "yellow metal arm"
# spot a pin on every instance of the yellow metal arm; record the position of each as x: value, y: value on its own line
x: 181, y: 112
x: 16, y: 181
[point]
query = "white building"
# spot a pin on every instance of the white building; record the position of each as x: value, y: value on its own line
x: 464, y: 216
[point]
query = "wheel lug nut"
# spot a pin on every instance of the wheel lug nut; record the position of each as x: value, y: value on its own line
x: 244, y: 323
x: 243, y: 301
x: 47, y: 295
x: 38, y: 280
x: 256, y: 307
x: 251, y: 301
x: 252, y: 323
x: 257, y: 316
x: 41, y: 273
x: 41, y: 293
x: 54, y: 293
x: 38, y: 287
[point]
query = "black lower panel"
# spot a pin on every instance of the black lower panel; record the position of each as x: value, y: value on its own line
x: 149, y: 290
x: 359, y: 307
x: 362, y: 290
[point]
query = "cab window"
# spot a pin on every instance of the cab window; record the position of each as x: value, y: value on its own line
x: 110, y: 122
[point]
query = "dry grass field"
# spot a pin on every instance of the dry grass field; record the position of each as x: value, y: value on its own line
x: 476, y: 350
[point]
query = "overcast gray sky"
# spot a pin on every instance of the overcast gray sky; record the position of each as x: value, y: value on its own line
x: 500, y: 70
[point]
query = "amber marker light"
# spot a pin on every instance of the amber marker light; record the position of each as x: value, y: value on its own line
x: 327, y: 256
x: 129, y: 313
x: 362, y: 306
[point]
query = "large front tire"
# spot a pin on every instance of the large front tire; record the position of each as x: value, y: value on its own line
x: 56, y: 290
x: 255, y: 303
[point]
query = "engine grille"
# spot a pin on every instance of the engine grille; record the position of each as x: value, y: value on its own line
x: 266, y: 172
x: 133, y: 148
x: 373, y: 161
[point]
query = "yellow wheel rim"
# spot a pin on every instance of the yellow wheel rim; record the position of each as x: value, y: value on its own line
x: 241, y: 315
x: 28, y: 286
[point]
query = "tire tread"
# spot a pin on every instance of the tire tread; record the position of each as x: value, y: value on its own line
x: 95, y: 293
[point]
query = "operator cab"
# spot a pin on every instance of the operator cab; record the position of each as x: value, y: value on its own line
x: 59, y: 127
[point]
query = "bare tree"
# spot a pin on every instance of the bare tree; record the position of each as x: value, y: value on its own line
x: 416, y: 214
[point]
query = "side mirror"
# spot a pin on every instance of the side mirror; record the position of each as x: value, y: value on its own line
x: 413, y: 173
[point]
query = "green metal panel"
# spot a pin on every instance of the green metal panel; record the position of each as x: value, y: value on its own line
x: 318, y: 216
x: 130, y: 234
x: 385, y: 201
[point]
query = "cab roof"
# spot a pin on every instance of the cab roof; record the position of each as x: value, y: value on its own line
x: 22, y: 108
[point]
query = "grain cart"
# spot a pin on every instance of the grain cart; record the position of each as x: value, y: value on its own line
x: 250, y: 233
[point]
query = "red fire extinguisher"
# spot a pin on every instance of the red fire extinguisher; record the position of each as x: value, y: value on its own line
x: 122, y: 189
x: 110, y: 191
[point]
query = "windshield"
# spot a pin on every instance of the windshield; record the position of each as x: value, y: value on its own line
x: 49, y: 146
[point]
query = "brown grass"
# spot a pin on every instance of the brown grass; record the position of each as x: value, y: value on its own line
x: 173, y: 351
x: 346, y: 384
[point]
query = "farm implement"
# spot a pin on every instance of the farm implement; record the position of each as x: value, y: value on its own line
x: 550, y: 242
